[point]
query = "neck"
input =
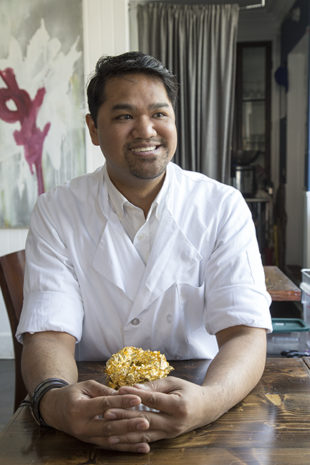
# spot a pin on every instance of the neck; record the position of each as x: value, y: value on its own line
x: 143, y: 194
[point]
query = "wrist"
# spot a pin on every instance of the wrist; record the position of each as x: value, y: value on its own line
x: 39, y: 394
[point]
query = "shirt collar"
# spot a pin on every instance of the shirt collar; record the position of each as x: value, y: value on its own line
x: 119, y: 202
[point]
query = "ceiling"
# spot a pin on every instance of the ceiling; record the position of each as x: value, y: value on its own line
x: 271, y: 6
x: 263, y: 23
x: 278, y: 8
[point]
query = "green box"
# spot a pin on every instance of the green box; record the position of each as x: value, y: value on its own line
x: 286, y: 325
x: 288, y: 334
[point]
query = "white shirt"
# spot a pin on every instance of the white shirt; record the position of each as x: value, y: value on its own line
x: 84, y: 275
x: 141, y: 230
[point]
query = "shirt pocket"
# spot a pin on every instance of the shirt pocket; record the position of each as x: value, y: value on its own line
x: 191, y: 302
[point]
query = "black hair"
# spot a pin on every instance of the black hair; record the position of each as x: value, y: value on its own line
x: 130, y: 62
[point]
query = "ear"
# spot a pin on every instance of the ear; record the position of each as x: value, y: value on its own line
x: 92, y: 129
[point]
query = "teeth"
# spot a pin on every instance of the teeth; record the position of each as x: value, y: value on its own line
x: 144, y: 149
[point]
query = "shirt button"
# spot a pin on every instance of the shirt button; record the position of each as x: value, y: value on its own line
x: 135, y: 322
x: 169, y: 318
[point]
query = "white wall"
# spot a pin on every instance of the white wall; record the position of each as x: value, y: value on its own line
x: 306, y: 256
x: 106, y: 32
x: 296, y: 148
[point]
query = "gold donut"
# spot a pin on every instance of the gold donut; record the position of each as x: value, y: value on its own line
x: 132, y: 365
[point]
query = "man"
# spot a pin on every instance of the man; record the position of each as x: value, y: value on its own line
x: 140, y: 253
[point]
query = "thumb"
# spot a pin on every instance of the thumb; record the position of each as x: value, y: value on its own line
x: 93, y: 388
x: 170, y: 383
x: 164, y: 385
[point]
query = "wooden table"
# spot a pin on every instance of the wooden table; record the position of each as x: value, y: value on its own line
x: 279, y: 286
x: 270, y: 427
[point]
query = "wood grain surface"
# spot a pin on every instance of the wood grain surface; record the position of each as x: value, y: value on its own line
x: 270, y: 427
x: 279, y: 286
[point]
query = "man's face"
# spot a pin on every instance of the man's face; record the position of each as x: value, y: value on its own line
x: 135, y: 129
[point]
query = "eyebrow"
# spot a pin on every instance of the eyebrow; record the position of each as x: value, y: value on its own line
x: 127, y: 106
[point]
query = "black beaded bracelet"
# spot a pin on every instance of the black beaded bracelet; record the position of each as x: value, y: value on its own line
x: 38, y: 393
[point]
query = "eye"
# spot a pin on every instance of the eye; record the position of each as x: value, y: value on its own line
x: 159, y: 114
x: 124, y: 116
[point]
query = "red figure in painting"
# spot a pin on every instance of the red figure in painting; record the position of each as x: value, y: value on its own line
x: 29, y: 135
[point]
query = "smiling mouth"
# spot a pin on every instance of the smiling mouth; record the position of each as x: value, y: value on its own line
x: 145, y: 149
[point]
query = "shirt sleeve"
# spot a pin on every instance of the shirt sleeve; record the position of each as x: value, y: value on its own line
x: 235, y: 288
x: 52, y: 300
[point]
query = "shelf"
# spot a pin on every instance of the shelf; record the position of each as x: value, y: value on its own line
x: 253, y: 100
x: 257, y: 200
x: 253, y: 105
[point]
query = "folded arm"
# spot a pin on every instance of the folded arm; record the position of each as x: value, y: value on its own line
x: 78, y: 408
x: 238, y: 366
x: 185, y: 406
x: 48, y: 354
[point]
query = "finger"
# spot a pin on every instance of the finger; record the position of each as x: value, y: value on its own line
x: 124, y: 426
x: 105, y: 428
x: 126, y: 414
x: 98, y: 405
x: 155, y: 400
x: 164, y: 385
x: 137, y: 438
x: 140, y: 448
x: 156, y: 421
x: 92, y: 388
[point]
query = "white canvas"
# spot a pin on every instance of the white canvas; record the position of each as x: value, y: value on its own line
x: 41, y: 102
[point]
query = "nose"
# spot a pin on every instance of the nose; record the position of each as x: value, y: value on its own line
x: 144, y: 128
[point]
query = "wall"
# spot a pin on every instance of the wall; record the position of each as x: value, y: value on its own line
x: 306, y: 257
x: 296, y: 161
x: 106, y: 32
x: 297, y: 63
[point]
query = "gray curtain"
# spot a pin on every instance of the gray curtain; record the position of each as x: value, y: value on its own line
x: 198, y: 44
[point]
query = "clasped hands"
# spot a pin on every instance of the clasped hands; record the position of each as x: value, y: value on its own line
x: 110, y: 419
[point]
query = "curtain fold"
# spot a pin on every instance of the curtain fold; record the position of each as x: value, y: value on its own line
x: 198, y: 44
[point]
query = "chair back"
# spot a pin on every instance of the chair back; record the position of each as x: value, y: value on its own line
x: 12, y: 268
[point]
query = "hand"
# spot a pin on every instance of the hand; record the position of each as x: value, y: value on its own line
x: 78, y: 409
x: 183, y: 406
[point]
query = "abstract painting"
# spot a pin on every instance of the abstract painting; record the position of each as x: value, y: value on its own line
x: 41, y: 102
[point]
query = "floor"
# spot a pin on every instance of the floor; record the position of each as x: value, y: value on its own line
x: 7, y: 382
